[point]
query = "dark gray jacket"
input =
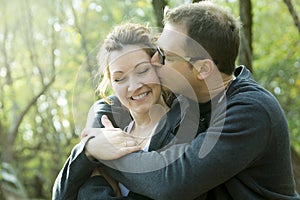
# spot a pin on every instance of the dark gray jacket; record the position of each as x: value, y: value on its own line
x: 242, y: 152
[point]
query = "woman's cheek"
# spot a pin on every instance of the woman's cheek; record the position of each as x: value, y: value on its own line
x: 154, y: 78
x: 120, y: 92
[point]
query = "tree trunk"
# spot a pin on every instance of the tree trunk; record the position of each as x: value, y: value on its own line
x: 292, y: 11
x: 159, y: 6
x: 296, y: 168
x: 7, y: 152
x: 245, y: 52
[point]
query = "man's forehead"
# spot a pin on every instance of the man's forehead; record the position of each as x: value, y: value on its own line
x: 175, y: 39
x: 172, y: 40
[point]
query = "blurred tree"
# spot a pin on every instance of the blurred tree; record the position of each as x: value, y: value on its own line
x: 276, y: 62
x: 48, y: 73
x: 18, y: 111
x: 47, y: 80
x: 292, y: 11
x: 25, y: 77
x: 159, y: 7
x: 245, y: 51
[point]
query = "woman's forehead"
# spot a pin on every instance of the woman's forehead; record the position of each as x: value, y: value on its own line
x: 127, y: 59
x: 128, y: 52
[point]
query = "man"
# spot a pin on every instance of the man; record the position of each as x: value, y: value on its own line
x: 241, y: 147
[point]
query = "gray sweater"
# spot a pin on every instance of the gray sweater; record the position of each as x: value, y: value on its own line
x: 234, y: 147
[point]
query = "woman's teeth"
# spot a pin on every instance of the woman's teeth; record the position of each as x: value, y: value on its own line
x: 139, y: 96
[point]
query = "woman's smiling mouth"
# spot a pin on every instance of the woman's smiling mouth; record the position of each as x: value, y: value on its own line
x: 138, y: 97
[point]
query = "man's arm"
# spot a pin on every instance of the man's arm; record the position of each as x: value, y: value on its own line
x: 78, y: 167
x: 76, y: 170
x: 97, y: 188
x: 239, y: 136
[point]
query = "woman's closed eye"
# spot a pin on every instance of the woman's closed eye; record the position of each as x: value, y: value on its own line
x: 119, y: 79
x: 143, y: 68
x: 142, y: 71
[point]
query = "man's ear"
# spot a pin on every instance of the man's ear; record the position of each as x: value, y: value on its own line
x: 204, y: 68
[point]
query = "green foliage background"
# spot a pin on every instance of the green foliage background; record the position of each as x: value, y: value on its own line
x: 42, y: 39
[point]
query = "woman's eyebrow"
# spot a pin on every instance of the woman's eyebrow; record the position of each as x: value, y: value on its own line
x: 148, y: 62
x: 138, y: 64
x: 117, y: 72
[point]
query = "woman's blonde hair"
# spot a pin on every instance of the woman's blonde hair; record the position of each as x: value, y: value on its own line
x: 125, y: 34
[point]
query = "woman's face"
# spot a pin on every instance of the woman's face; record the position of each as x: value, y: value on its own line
x: 134, y: 79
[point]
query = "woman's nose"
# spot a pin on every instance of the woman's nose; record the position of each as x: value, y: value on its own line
x: 134, y: 83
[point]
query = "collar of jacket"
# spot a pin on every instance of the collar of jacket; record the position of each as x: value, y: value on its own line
x: 167, y: 127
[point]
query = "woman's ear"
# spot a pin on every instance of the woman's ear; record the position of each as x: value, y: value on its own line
x: 204, y: 68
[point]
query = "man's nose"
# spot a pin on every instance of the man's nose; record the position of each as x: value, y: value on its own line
x: 155, y: 60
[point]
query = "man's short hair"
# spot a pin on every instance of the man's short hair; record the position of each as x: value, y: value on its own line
x: 211, y: 26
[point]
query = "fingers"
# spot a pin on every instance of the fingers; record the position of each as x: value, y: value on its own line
x: 109, y: 143
x: 90, y: 131
x: 97, y: 131
x: 126, y: 150
x: 130, y: 143
x: 113, y: 136
x: 106, y: 122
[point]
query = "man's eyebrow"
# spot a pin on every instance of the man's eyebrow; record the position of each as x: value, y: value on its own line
x: 169, y: 53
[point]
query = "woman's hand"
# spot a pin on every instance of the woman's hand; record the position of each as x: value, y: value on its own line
x: 108, y: 143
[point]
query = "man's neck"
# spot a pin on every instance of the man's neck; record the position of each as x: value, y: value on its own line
x: 208, y: 89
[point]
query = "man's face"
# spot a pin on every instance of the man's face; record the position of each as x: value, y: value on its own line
x: 176, y: 73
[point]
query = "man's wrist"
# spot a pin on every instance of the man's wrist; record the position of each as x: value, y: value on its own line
x: 86, y: 152
x: 88, y: 155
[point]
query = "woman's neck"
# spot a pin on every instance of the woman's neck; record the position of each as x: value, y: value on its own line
x: 146, y: 122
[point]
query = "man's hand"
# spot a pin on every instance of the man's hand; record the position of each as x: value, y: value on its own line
x: 108, y: 143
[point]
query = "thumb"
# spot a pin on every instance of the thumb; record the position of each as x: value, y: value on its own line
x: 84, y: 133
x: 106, y: 122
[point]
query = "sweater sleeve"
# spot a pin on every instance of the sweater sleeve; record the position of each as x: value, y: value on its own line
x: 236, y: 137
x: 78, y: 168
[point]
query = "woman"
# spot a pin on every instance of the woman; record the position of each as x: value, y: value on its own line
x: 125, y: 56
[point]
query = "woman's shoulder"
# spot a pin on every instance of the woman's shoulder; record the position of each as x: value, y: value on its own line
x: 117, y: 113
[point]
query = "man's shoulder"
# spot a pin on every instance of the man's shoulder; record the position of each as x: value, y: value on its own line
x: 246, y: 91
x: 246, y: 86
